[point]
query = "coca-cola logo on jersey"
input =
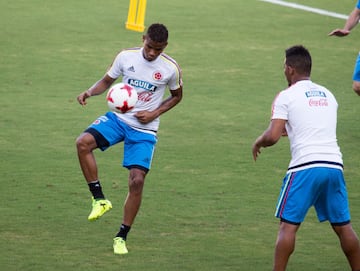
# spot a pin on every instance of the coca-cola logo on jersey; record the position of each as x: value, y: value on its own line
x: 320, y: 102
x: 144, y: 96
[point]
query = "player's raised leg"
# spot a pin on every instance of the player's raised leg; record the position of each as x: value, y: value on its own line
x: 85, y: 144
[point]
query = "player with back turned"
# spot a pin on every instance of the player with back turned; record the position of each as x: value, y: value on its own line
x: 307, y: 113
x: 150, y: 72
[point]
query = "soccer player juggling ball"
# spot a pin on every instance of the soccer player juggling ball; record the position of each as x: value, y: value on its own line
x: 150, y: 72
x: 307, y: 113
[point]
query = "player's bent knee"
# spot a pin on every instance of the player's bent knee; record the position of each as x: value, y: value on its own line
x: 85, y: 143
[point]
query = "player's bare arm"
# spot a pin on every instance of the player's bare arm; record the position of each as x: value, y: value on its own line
x: 166, y: 105
x: 351, y: 22
x: 98, y: 88
x: 270, y: 136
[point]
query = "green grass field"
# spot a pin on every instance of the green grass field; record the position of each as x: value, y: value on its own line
x: 207, y: 205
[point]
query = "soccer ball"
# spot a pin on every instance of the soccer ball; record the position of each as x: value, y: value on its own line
x: 121, y: 98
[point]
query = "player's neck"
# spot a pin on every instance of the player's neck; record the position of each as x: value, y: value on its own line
x: 300, y: 78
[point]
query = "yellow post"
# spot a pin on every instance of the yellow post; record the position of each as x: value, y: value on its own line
x: 136, y: 15
x: 132, y: 12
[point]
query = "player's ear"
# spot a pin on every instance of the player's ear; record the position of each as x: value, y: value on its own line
x: 290, y: 69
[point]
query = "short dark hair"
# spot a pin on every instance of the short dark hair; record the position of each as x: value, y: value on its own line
x: 157, y: 32
x: 299, y: 58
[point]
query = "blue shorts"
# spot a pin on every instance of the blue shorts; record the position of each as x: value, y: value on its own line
x: 139, y: 146
x: 321, y: 187
x: 356, y: 75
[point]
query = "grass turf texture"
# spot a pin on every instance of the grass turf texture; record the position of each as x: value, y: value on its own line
x: 207, y: 205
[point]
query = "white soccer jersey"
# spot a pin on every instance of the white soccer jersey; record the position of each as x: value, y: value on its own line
x: 311, y: 114
x: 149, y: 78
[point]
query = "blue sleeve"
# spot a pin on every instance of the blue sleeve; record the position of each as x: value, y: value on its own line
x: 358, y: 4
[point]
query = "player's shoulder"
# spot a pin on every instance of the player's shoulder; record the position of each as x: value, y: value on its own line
x: 323, y: 89
x: 166, y: 56
x: 168, y: 60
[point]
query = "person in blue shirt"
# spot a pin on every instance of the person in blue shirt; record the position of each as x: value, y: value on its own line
x: 351, y: 22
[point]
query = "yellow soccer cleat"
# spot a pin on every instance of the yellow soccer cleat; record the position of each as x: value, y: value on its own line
x: 119, y: 246
x: 99, y: 207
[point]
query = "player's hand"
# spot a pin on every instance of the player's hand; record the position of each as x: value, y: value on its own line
x: 339, y: 32
x: 82, y: 97
x: 145, y: 116
x: 255, y: 151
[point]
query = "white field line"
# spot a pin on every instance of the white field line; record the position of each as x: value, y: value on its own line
x: 306, y: 8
